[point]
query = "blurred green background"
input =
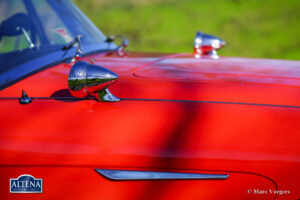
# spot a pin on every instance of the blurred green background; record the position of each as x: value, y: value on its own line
x: 251, y: 28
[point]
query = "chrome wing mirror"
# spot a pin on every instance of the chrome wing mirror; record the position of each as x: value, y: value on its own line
x: 88, y: 79
x: 205, y: 44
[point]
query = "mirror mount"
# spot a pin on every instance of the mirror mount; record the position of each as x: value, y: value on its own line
x: 105, y: 95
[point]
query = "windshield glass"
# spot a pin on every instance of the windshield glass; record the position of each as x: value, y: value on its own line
x: 33, y: 28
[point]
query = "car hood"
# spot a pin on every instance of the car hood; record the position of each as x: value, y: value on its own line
x: 181, y: 77
x: 157, y: 125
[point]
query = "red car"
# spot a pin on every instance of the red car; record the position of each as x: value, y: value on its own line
x: 82, y: 118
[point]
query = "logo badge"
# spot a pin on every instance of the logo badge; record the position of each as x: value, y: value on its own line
x: 26, y: 184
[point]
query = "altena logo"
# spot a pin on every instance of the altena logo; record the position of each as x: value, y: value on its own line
x: 26, y: 184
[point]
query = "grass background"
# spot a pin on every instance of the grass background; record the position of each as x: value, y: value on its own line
x: 251, y: 28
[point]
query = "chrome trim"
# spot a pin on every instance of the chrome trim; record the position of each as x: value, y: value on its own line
x: 205, y: 44
x: 120, y: 50
x: 85, y: 79
x: 125, y: 175
x: 79, y: 52
x: 106, y: 96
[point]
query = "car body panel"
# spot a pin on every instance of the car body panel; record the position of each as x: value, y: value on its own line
x: 177, y: 113
x: 243, y: 82
x: 199, y: 136
x: 84, y: 183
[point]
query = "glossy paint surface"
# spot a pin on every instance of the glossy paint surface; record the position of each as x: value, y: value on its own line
x: 163, y: 76
x: 85, y: 183
x: 235, y: 116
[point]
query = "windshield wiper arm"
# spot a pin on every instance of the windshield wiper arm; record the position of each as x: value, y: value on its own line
x: 76, y: 41
x: 120, y: 50
x: 31, y: 45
